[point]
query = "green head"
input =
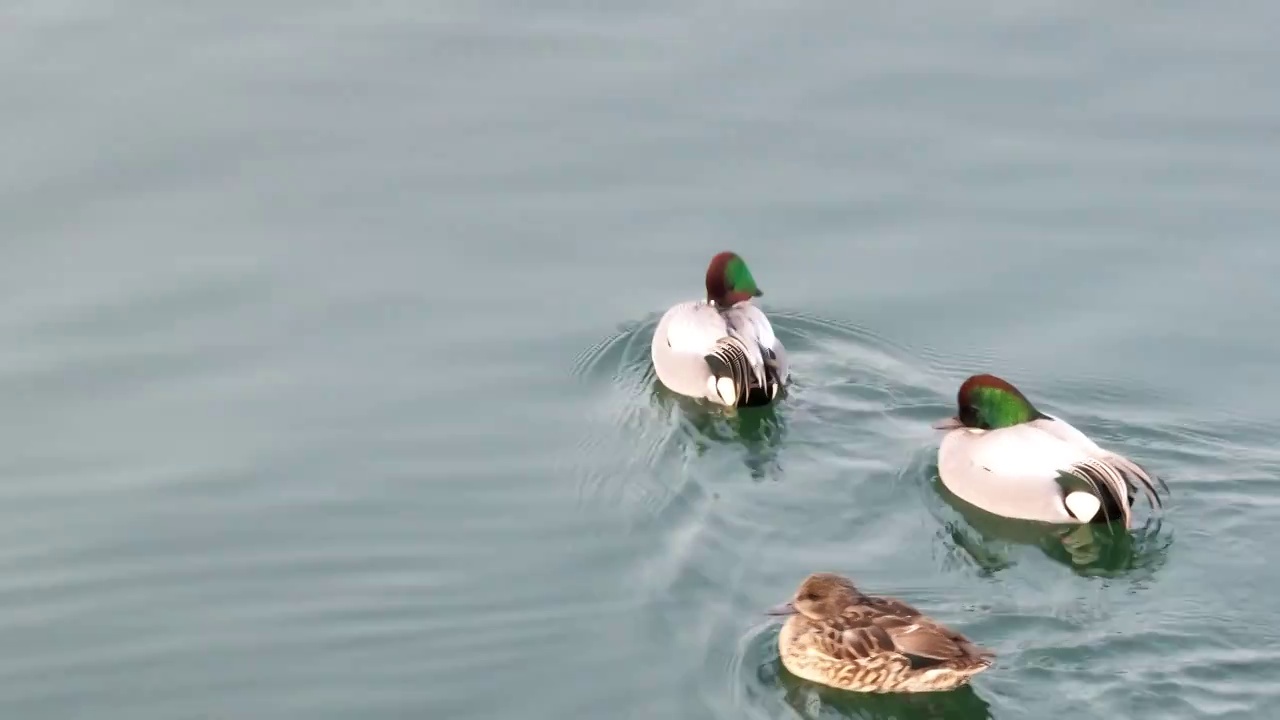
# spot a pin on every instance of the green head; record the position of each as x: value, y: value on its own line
x: 729, y: 280
x: 987, y: 402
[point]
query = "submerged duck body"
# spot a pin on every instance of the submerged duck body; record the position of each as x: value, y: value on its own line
x: 723, y: 348
x: 1006, y: 457
x: 837, y: 636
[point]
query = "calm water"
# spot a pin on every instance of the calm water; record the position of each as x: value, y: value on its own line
x: 325, y: 383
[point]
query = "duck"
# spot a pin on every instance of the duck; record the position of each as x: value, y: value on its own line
x: 722, y: 348
x: 1004, y: 456
x: 835, y: 635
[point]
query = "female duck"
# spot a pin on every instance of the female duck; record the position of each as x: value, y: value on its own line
x: 722, y: 349
x: 837, y: 636
x: 1006, y: 457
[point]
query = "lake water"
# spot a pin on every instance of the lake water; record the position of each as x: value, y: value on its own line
x: 325, y: 383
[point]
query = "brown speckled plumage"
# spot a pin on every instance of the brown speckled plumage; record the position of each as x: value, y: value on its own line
x: 838, y: 636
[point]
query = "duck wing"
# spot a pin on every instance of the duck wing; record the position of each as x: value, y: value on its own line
x: 1137, y: 476
x: 855, y: 637
x: 1029, y: 451
x: 749, y: 324
x: 746, y: 322
x: 884, y: 626
x: 924, y: 641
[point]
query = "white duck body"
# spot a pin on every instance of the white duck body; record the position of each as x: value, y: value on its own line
x: 1016, y: 472
x: 750, y: 362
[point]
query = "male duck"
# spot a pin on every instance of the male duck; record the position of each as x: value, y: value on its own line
x: 1003, y: 455
x: 837, y: 636
x: 722, y: 348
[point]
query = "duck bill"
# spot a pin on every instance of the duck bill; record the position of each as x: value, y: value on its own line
x: 783, y: 609
x: 950, y: 423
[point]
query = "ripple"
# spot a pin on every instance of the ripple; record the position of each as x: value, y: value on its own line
x: 1179, y: 673
x: 617, y: 356
x: 689, y: 476
x: 853, y: 489
x: 841, y: 352
x: 641, y: 432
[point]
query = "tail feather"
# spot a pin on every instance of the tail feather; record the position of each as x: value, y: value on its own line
x: 1108, y: 484
x: 731, y: 359
x: 977, y: 654
x: 1145, y: 482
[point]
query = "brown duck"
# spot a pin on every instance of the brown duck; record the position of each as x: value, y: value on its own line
x: 837, y: 636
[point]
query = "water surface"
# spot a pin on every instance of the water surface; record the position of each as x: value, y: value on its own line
x: 325, y: 327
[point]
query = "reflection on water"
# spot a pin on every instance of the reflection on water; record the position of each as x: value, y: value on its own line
x: 760, y: 430
x: 814, y: 702
x: 1089, y: 550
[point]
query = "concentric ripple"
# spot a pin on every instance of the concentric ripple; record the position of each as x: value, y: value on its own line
x: 851, y: 486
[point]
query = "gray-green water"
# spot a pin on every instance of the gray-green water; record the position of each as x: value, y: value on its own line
x: 324, y: 373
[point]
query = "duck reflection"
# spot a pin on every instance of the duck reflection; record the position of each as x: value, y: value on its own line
x: 817, y: 702
x: 759, y: 430
x: 1089, y: 549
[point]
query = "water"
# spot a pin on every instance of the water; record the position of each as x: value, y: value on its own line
x: 325, y: 381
